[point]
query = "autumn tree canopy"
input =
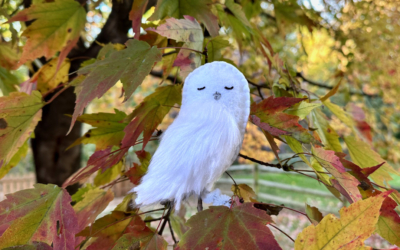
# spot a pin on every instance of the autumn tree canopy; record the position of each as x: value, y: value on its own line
x: 323, y: 77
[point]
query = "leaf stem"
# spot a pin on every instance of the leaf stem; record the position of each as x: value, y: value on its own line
x: 281, y: 231
x: 198, y: 51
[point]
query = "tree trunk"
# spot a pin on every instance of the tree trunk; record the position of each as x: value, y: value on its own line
x: 53, y: 163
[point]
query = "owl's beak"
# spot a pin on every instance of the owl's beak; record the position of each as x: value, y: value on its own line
x: 217, y: 95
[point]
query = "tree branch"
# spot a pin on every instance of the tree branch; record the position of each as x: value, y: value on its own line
x: 320, y: 85
x: 262, y: 163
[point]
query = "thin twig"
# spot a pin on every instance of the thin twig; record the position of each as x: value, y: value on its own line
x: 281, y: 231
x: 294, y: 210
x: 226, y: 172
x: 261, y: 162
x: 57, y: 94
x: 379, y: 186
x: 172, y: 231
x: 166, y: 218
x: 151, y: 220
x: 311, y: 82
x: 198, y: 51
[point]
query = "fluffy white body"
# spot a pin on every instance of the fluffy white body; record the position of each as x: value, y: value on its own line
x: 203, y: 140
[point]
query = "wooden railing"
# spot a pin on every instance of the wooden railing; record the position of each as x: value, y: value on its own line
x: 12, y: 183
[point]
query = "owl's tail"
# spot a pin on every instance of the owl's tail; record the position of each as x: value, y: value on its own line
x: 150, y: 193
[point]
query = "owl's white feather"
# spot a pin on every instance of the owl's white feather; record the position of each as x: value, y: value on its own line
x: 203, y: 140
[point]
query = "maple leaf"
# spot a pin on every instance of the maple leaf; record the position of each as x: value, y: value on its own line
x: 155, y: 242
x: 242, y: 227
x: 33, y: 246
x: 302, y: 109
x: 33, y: 215
x: 214, y: 48
x: 291, y: 13
x: 130, y: 65
x: 359, y: 118
x: 19, y: 114
x: 244, y: 191
x: 314, y: 214
x: 21, y: 153
x: 7, y: 81
x: 108, y: 131
x: 362, y: 154
x: 344, y: 182
x: 49, y: 76
x: 357, y: 222
x: 195, y: 8
x: 101, y: 159
x: 340, y: 113
x: 57, y: 27
x: 150, y: 113
x: 135, y: 15
x: 189, y: 31
x: 9, y: 59
x: 167, y: 65
x: 234, y: 19
x: 388, y: 225
x: 106, y: 231
x: 329, y: 137
x: 92, y: 203
x: 110, y: 174
x: 269, y: 115
x: 138, y: 171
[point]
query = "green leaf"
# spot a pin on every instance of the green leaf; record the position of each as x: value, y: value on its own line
x: 314, y: 214
x: 19, y: 114
x: 199, y: 9
x: 269, y: 115
x: 214, y: 48
x: 126, y: 205
x: 328, y: 135
x: 93, y: 202
x: 150, y: 113
x: 8, y: 81
x: 9, y: 58
x: 189, y: 31
x: 242, y: 227
x: 21, y: 153
x: 130, y: 65
x: 108, y: 131
x: 362, y: 154
x: 32, y: 215
x: 104, y: 177
x: 388, y: 225
x: 239, y: 29
x: 289, y: 13
x: 57, y: 27
x: 302, y: 109
x: 340, y: 113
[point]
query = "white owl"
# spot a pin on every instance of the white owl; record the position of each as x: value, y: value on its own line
x: 203, y: 141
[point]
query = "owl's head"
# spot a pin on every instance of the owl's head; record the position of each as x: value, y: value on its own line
x: 218, y: 83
